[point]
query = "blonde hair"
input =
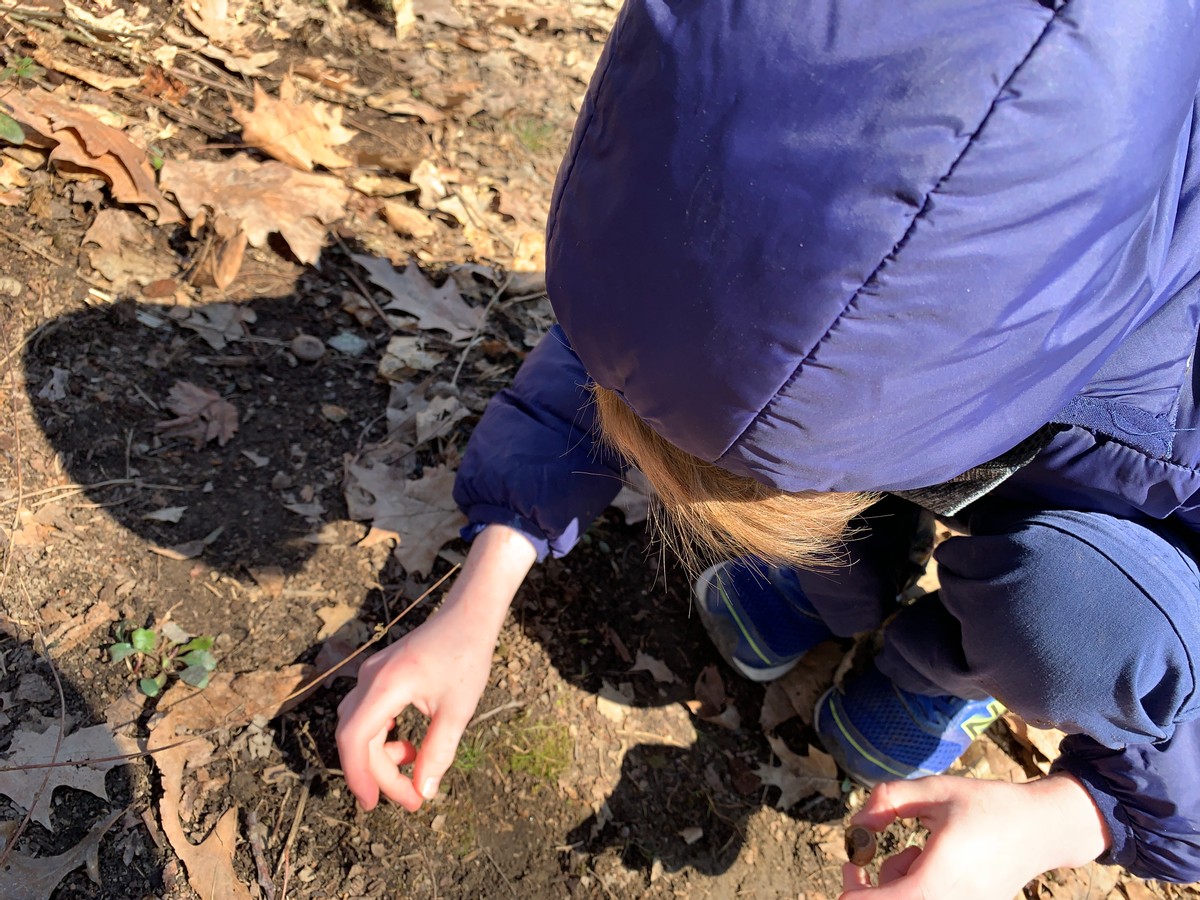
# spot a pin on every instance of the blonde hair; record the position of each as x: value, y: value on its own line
x: 707, y: 514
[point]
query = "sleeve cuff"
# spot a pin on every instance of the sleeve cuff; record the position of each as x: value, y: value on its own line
x: 1123, y: 849
x: 481, y: 516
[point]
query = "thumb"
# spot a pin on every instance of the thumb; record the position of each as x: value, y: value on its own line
x: 893, y: 800
x: 437, y: 752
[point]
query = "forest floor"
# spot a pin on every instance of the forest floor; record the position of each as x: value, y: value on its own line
x: 261, y: 267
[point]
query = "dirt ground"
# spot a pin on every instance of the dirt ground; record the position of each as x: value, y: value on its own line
x: 613, y: 756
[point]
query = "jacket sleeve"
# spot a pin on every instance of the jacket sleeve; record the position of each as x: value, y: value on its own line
x: 1149, y: 795
x: 532, y: 462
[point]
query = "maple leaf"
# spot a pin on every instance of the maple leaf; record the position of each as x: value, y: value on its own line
x: 37, y: 877
x: 420, y: 512
x: 86, y: 747
x: 412, y: 293
x: 203, y: 414
x: 293, y: 131
x: 82, y: 143
x: 262, y: 197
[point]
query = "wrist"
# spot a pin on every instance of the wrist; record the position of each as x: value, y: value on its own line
x: 1073, y: 830
x: 499, y: 559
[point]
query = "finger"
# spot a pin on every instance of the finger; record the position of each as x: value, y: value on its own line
x: 437, y: 751
x: 901, y: 800
x: 394, y: 785
x: 401, y: 753
x: 352, y: 743
x: 896, y: 867
x: 854, y: 878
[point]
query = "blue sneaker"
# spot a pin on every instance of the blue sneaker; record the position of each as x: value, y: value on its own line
x: 879, y: 732
x: 758, y: 617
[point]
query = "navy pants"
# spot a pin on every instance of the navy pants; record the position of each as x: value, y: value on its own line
x: 1073, y: 619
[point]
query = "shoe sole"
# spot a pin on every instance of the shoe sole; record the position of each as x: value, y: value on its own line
x: 724, y: 635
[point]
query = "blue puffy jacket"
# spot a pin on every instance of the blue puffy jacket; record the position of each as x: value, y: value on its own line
x: 839, y: 245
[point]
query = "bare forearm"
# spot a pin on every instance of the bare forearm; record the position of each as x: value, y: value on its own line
x: 497, y: 563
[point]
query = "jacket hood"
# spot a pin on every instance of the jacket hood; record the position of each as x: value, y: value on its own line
x: 850, y: 246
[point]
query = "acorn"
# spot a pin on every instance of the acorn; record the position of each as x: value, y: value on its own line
x: 307, y: 348
x: 860, y: 845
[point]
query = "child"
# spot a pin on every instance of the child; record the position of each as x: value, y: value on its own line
x: 827, y: 263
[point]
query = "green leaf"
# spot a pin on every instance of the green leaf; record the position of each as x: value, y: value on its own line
x: 11, y: 130
x: 143, y: 640
x: 201, y: 658
x: 196, y: 676
x: 204, y: 642
x: 149, y: 686
x: 119, y: 651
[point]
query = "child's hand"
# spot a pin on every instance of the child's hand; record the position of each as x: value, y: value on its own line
x: 440, y: 669
x: 987, y: 839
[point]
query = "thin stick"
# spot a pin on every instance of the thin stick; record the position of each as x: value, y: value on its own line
x: 504, y: 707
x: 478, y: 328
x: 255, y: 830
x: 295, y: 829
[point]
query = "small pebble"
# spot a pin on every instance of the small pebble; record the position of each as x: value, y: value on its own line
x: 307, y: 348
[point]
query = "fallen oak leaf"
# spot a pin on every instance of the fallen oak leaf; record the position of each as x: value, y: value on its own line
x: 412, y: 294
x: 799, y: 776
x: 421, y: 513
x: 293, y: 131
x: 656, y: 667
x: 37, y: 877
x: 91, y: 750
x: 263, y: 198
x: 202, y: 415
x: 80, y: 142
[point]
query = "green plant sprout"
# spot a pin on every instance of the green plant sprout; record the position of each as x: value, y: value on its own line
x: 154, y: 656
x: 22, y: 67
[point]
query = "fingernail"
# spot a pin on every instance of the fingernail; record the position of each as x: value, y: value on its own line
x: 429, y: 788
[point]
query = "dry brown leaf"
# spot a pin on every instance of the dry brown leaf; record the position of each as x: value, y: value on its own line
x: 440, y: 12
x: 421, y: 512
x: 405, y: 219
x: 1091, y: 882
x: 123, y: 252
x: 712, y: 704
x: 297, y: 132
x: 188, y: 549
x: 217, y: 323
x: 441, y: 308
x: 263, y: 198
x: 799, y: 776
x: 401, y: 102
x: 98, y: 80
x: 333, y: 618
x: 82, y: 143
x: 203, y: 415
x: 12, y: 174
x: 70, y: 634
x: 221, y: 21
x: 86, y: 746
x: 1043, y: 742
x: 656, y: 667
x: 229, y: 701
x: 795, y: 695
x: 37, y: 877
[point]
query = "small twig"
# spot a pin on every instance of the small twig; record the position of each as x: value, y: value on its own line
x: 295, y: 829
x: 495, y: 865
x: 483, y: 717
x: 254, y: 831
x: 362, y: 288
x: 479, y: 327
